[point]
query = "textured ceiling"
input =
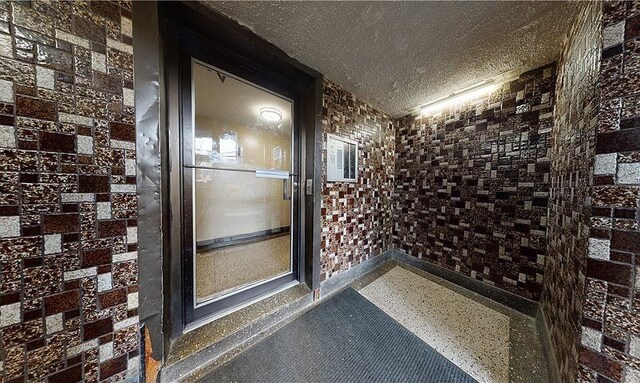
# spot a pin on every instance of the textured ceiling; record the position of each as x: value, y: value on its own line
x: 399, y: 55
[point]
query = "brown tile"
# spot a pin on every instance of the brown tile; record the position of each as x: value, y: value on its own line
x: 89, y: 30
x: 62, y: 302
x: 96, y: 257
x: 36, y: 108
x: 112, y: 228
x: 123, y: 132
x: 106, y: 9
x: 94, y: 184
x: 97, y: 329
x: 632, y: 28
x: 60, y: 223
x: 609, y: 271
x: 601, y: 364
x: 625, y: 241
x: 112, y: 298
x: 70, y: 375
x: 620, y: 141
x: 113, y: 366
x: 57, y: 142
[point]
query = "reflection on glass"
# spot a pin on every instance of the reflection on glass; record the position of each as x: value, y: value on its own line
x: 241, y: 222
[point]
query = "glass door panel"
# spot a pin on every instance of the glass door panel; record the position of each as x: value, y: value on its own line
x: 241, y: 182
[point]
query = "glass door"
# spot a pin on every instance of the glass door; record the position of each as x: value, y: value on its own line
x: 239, y: 184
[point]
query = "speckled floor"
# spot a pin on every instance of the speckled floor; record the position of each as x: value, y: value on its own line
x: 472, y: 336
x: 490, y: 342
x: 223, y: 270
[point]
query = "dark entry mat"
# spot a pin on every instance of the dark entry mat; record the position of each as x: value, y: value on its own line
x: 345, y: 339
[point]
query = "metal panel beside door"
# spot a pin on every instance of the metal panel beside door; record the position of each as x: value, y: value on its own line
x: 238, y: 161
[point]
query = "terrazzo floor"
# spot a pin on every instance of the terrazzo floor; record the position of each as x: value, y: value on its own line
x: 226, y: 269
x: 472, y: 336
x: 490, y: 342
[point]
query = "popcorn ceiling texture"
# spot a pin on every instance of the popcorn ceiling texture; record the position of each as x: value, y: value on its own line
x: 356, y: 217
x: 399, y: 55
x: 68, y: 237
x: 472, y: 184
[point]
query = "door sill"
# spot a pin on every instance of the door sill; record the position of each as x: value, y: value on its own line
x: 204, y: 321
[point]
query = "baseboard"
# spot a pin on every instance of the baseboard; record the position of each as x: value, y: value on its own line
x: 506, y: 298
x: 339, y: 281
x: 549, y: 351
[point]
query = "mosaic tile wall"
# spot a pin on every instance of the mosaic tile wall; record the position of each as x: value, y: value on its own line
x: 573, y: 146
x: 472, y: 184
x: 610, y: 347
x: 68, y: 286
x: 356, y: 217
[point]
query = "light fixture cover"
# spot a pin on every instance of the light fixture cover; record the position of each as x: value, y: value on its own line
x: 459, y: 97
x: 270, y: 114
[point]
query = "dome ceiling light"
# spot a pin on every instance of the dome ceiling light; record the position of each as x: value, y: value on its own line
x: 270, y: 114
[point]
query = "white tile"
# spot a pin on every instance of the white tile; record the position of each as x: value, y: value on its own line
x: 632, y: 375
x: 45, y: 78
x: 105, y: 351
x: 104, y: 282
x: 441, y: 318
x: 130, y: 167
x: 103, y: 210
x: 591, y: 338
x: 85, y: 145
x: 613, y: 35
x: 629, y: 173
x: 9, y: 314
x: 9, y: 226
x: 75, y: 119
x: 132, y: 301
x: 119, y: 46
x: 128, y: 97
x: 125, y: 323
x: 82, y: 273
x: 53, y: 323
x: 634, y: 346
x: 7, y: 136
x: 599, y: 248
x: 98, y: 62
x: 125, y: 256
x: 6, y: 91
x: 52, y: 244
x: 123, y: 188
x: 78, y: 197
x: 605, y: 164
x: 133, y: 366
x: 119, y: 144
x: 73, y: 39
x: 82, y: 347
x: 132, y: 234
x: 126, y: 26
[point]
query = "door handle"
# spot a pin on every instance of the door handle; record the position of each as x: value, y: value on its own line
x: 275, y: 174
x: 286, y: 189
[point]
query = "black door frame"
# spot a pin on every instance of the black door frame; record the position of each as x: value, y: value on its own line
x: 192, y: 47
x: 194, y: 28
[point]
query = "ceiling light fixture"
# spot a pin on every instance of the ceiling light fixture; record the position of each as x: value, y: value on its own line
x: 270, y: 114
x: 460, y: 96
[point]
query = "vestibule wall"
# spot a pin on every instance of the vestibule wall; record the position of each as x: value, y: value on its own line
x: 68, y: 213
x: 356, y: 217
x: 572, y: 154
x: 472, y: 184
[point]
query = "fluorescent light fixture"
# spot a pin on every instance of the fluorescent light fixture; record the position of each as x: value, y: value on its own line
x: 270, y: 114
x: 463, y: 95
